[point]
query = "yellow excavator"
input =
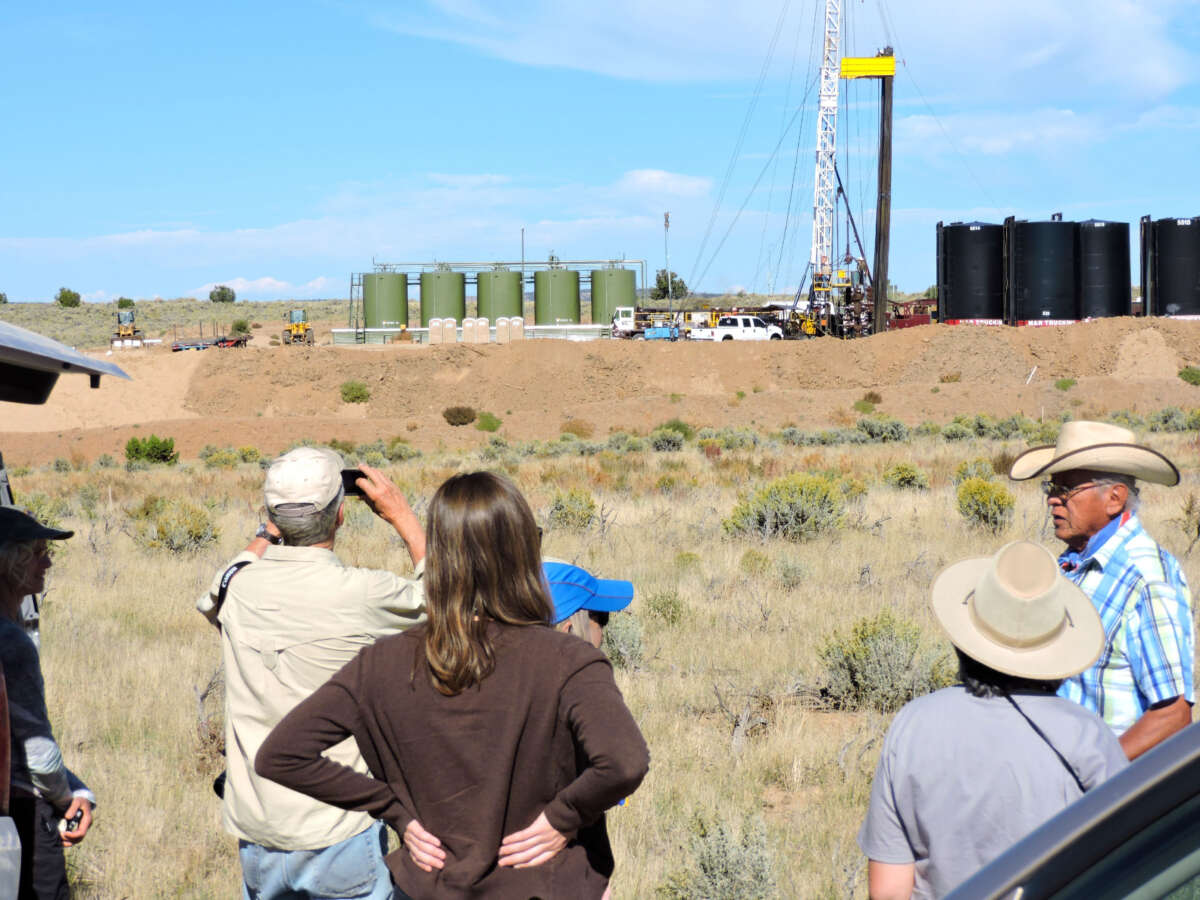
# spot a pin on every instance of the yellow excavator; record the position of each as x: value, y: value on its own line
x: 298, y: 330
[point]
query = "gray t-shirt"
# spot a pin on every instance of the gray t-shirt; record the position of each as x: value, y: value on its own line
x: 963, y: 778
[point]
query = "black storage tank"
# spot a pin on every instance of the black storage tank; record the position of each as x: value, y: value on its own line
x: 1043, y: 284
x: 1104, y: 285
x: 1174, y: 267
x: 970, y: 272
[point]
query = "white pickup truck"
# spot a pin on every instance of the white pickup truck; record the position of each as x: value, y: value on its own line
x: 738, y: 328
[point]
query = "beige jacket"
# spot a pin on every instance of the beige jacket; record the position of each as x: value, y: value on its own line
x: 289, y: 622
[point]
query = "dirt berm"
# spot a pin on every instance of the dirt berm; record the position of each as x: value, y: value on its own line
x: 271, y: 396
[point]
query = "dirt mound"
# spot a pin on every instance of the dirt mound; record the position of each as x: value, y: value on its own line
x: 270, y: 397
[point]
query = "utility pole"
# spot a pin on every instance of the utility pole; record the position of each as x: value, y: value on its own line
x: 667, y: 256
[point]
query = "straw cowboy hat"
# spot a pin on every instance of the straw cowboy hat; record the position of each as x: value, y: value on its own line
x: 1097, y: 446
x: 1016, y: 613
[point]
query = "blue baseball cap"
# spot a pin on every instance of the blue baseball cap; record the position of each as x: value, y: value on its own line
x: 573, y: 589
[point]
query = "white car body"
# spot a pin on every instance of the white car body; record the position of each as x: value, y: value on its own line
x: 738, y: 328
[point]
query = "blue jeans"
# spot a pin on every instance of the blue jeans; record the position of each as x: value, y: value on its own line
x: 352, y: 869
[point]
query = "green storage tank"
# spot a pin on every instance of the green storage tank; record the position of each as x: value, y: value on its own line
x: 500, y: 295
x: 385, y: 300
x: 443, y: 296
x: 555, y: 296
x: 611, y: 288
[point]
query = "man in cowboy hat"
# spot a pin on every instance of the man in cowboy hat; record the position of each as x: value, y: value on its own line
x: 1142, y: 683
x: 969, y: 770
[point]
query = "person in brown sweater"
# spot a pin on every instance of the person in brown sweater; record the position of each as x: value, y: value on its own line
x: 484, y: 727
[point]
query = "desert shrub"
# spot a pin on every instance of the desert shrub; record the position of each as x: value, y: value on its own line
x: 666, y: 484
x: 907, y: 476
x: 879, y: 664
x: 579, y: 428
x: 728, y: 438
x: 1042, y: 433
x: 723, y: 867
x: 665, y: 607
x: 979, y: 467
x: 1065, y: 384
x: 587, y: 448
x: 1010, y: 426
x: 1170, y: 418
x: 488, y: 422
x: 344, y: 448
x: 175, y: 525
x: 623, y: 641
x: 950, y: 378
x: 873, y: 397
x: 249, y: 454
x: 152, y: 449
x: 617, y: 441
x: 686, y: 431
x: 635, y: 444
x: 956, y: 431
x: 852, y: 488
x: 459, y: 415
x: 222, y: 459
x: 106, y: 461
x: 1126, y: 419
x: 1190, y: 374
x: 755, y: 562
x: 576, y: 509
x: 372, y: 456
x: 796, y: 436
x: 240, y: 327
x: 664, y: 440
x: 355, y: 392
x: 124, y: 303
x: 792, y: 574
x: 61, y: 464
x: 399, y: 450
x: 48, y: 511
x: 987, y: 504
x: 928, y: 429
x: 67, y: 298
x: 686, y: 560
x: 862, y: 406
x: 795, y: 507
x: 883, y: 430
x: 1193, y: 420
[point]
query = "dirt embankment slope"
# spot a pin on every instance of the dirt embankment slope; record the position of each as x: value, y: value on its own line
x: 269, y: 397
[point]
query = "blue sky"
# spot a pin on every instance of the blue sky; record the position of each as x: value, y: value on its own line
x: 148, y: 151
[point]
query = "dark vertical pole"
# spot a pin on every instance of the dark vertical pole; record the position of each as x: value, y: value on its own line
x: 883, y: 205
x: 1148, y: 273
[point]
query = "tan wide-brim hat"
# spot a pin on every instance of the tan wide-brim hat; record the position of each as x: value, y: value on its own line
x: 1100, y: 447
x: 1016, y: 613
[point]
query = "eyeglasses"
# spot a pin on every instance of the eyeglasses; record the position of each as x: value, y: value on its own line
x: 1062, y: 493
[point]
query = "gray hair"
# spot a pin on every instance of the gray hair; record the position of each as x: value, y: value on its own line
x: 310, y: 528
x: 15, y: 557
x: 1132, y: 499
x: 579, y: 623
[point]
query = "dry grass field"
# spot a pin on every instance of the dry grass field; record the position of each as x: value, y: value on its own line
x: 722, y: 644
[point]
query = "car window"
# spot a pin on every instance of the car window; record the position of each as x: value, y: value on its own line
x: 1162, y: 860
x: 728, y: 320
x: 758, y: 323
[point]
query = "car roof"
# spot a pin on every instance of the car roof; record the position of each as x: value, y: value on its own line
x: 30, y: 364
x: 1089, y: 829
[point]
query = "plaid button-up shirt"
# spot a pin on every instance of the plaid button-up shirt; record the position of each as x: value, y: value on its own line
x: 1146, y: 609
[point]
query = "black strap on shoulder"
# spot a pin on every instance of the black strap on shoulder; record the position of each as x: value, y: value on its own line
x: 225, y: 579
x: 1062, y: 759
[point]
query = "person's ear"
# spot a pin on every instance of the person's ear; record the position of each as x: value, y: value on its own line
x: 564, y: 627
x: 1115, y: 496
x: 341, y: 516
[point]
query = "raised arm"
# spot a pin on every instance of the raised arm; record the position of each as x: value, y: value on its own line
x: 389, y: 503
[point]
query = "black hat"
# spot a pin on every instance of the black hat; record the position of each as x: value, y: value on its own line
x: 17, y: 526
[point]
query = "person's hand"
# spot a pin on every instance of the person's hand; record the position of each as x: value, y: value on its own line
x: 70, y: 838
x: 425, y: 849
x: 389, y: 503
x: 532, y: 846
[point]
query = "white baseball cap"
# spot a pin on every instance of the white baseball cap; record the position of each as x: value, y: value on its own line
x: 303, y: 481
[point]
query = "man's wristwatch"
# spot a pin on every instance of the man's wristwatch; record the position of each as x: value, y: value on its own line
x: 266, y: 535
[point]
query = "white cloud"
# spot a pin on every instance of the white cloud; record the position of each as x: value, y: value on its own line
x: 267, y: 287
x: 660, y: 183
x: 995, y: 133
x: 1053, y: 49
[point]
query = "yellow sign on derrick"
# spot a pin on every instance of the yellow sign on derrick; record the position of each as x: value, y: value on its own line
x: 868, y: 66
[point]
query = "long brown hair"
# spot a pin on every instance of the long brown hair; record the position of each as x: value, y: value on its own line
x: 483, y: 562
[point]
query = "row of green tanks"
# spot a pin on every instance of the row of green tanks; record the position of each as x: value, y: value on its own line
x: 499, y: 294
